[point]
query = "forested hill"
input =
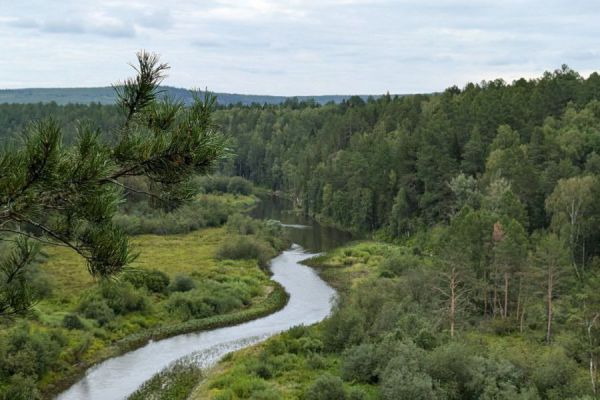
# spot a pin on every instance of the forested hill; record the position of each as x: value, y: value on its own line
x: 106, y: 95
x: 398, y: 163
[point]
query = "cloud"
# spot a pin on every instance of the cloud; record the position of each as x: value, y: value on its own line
x: 299, y: 46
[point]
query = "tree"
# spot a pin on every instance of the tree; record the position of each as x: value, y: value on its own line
x: 67, y: 195
x: 550, y: 262
x: 570, y: 204
x: 510, y: 247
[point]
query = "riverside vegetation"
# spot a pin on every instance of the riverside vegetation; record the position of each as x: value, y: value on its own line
x: 484, y: 282
x: 199, y: 274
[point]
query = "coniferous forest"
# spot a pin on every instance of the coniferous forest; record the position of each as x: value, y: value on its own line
x: 474, y: 274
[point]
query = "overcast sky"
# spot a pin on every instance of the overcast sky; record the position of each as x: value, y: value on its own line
x: 296, y: 47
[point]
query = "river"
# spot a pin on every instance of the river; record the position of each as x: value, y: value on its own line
x: 310, y: 301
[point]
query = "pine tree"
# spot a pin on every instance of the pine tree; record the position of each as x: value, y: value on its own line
x: 67, y: 195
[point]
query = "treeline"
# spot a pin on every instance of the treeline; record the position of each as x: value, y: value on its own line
x: 387, y: 163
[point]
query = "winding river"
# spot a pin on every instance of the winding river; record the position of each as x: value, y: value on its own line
x: 310, y: 301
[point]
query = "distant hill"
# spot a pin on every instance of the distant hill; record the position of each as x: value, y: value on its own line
x: 106, y: 95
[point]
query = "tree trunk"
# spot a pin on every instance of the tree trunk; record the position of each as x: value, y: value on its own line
x: 549, y: 294
x: 452, y: 301
x: 505, y: 311
x: 593, y: 359
x: 519, y: 296
x: 485, y: 295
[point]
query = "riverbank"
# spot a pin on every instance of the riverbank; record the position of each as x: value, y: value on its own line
x: 309, y: 302
x: 285, y: 365
x: 180, y: 283
x: 390, y: 339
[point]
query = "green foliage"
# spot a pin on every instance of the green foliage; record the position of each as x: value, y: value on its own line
x: 190, y: 305
x: 68, y: 195
x: 122, y: 298
x: 174, y: 383
x: 72, y: 321
x: 97, y: 308
x: 20, y: 387
x: 326, y: 387
x: 154, y: 280
x: 224, y: 184
x: 359, y: 364
x: 245, y: 247
x: 25, y: 352
x: 182, y: 283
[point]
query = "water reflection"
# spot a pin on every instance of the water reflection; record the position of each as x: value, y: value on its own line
x: 300, y: 229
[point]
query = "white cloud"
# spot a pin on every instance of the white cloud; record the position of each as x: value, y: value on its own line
x: 297, y: 46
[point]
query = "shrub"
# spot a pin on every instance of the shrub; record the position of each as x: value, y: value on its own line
x: 359, y: 364
x: 398, y: 263
x: 189, y: 305
x: 326, y: 387
x: 403, y: 384
x: 20, y: 388
x: 122, y: 298
x: 356, y: 394
x: 224, y: 184
x: 239, y: 185
x: 315, y: 361
x: 97, y: 308
x: 346, y: 327
x: 182, y: 283
x: 242, y: 225
x: 244, y: 247
x: 263, y: 370
x: 29, y: 352
x: 72, y: 321
x: 152, y: 279
x: 552, y: 374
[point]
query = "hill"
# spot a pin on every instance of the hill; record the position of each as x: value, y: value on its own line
x: 106, y: 95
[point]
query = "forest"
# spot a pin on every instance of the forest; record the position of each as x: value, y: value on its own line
x: 476, y: 268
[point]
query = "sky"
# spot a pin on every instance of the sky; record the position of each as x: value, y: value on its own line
x: 296, y: 47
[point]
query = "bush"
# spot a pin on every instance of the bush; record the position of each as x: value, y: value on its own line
x: 122, y: 298
x: 403, y: 384
x: 28, y: 352
x: 154, y: 280
x: 263, y: 370
x: 182, y: 283
x: 359, y: 364
x: 356, y: 394
x: 244, y: 247
x: 398, y: 263
x: 223, y: 184
x: 326, y: 387
x: 239, y: 185
x: 97, y: 308
x: 346, y: 327
x: 552, y: 374
x: 20, y: 388
x: 242, y: 225
x: 189, y: 305
x: 72, y: 321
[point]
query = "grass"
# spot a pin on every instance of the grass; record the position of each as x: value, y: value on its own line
x: 251, y: 295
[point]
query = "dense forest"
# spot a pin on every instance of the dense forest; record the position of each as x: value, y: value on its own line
x: 486, y: 199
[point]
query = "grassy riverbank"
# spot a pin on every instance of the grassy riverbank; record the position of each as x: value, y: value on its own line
x: 389, y: 340
x: 179, y: 283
